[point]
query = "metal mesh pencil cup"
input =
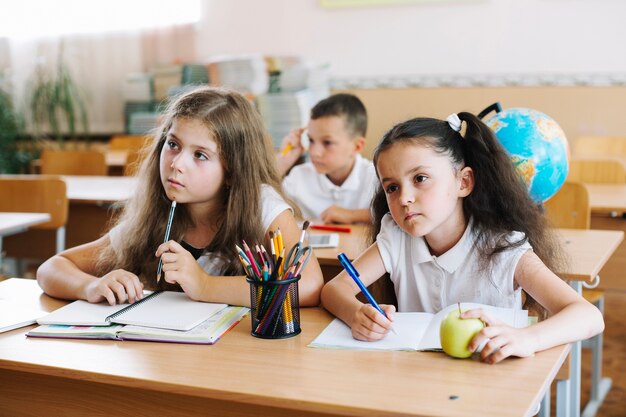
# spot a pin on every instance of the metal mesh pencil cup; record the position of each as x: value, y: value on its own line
x: 275, y: 308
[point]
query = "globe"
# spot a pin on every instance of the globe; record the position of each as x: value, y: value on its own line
x: 538, y: 148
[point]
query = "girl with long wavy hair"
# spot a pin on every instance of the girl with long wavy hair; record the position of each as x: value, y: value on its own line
x: 212, y: 156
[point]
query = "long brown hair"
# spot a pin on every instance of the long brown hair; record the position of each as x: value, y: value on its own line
x: 247, y: 157
x: 499, y: 202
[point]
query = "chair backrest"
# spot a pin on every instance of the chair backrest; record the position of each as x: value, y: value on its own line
x: 597, y: 171
x: 133, y: 160
x: 85, y: 162
x: 38, y: 195
x: 569, y: 207
x: 128, y: 142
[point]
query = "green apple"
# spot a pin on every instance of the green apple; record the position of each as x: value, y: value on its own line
x: 456, y: 334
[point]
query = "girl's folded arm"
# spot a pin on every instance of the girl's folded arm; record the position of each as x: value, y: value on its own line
x: 66, y: 274
x: 571, y: 317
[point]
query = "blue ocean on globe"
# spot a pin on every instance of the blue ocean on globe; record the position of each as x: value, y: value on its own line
x: 538, y: 148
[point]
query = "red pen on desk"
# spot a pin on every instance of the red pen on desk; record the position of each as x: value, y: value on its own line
x: 331, y: 228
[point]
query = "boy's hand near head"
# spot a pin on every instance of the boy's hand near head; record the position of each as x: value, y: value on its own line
x: 291, y: 150
x: 369, y: 325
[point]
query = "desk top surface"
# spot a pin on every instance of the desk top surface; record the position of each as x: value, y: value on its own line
x: 588, y: 250
x: 11, y: 223
x: 606, y: 198
x: 105, y: 189
x: 286, y: 373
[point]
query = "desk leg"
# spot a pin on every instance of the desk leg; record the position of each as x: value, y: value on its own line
x: 544, y: 411
x: 600, y: 387
x: 575, y: 365
x: 563, y: 400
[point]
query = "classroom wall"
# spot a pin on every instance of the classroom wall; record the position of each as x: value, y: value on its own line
x: 432, y: 58
x: 578, y: 110
x: 427, y: 37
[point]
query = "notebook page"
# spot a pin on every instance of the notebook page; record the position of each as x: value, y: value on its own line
x: 169, y: 310
x: 409, y: 328
x: 207, y: 332
x: 82, y: 313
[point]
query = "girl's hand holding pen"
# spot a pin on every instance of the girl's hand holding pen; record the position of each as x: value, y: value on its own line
x: 369, y: 325
x: 499, y: 340
x: 180, y: 267
x: 116, y: 287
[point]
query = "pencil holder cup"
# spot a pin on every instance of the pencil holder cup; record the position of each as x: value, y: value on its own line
x: 275, y: 308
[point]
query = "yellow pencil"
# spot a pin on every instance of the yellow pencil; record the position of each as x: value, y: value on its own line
x: 286, y: 149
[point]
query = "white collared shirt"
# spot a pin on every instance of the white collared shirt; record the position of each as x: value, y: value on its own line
x: 314, y: 192
x: 424, y: 282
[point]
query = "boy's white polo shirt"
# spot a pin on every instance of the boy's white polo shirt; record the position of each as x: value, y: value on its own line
x: 314, y: 192
x: 423, y: 282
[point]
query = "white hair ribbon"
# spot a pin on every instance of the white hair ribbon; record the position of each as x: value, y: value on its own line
x: 454, y: 122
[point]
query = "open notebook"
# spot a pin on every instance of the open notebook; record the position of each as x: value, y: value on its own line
x: 207, y: 332
x: 414, y: 331
x: 161, y: 309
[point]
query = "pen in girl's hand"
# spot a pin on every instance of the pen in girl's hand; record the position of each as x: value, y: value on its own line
x: 167, y: 237
x: 354, y: 274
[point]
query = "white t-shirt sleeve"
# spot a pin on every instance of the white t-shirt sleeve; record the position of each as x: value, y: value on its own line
x: 116, y: 234
x: 388, y: 239
x: 272, y: 204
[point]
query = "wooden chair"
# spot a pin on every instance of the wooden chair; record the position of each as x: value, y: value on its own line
x: 596, y: 171
x: 133, y: 144
x: 38, y: 195
x: 85, y: 162
x: 570, y: 208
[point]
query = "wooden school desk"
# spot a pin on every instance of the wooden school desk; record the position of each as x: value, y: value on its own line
x: 589, y: 250
x: 12, y: 223
x: 245, y: 376
x: 92, y: 203
x: 608, y: 203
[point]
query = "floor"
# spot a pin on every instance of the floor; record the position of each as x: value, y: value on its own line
x: 614, y: 358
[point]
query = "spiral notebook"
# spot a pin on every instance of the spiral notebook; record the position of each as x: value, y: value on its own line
x: 161, y: 309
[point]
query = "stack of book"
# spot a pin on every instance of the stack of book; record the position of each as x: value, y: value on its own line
x: 166, y: 77
x: 243, y: 73
x: 283, y: 112
x: 195, y: 74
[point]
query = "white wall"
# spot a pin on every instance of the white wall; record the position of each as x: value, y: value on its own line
x: 433, y: 37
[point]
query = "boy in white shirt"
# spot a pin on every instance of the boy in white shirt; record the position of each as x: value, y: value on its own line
x: 337, y: 185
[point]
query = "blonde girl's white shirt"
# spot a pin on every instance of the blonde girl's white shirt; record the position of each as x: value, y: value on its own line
x: 272, y: 204
x: 314, y: 192
x: 424, y: 282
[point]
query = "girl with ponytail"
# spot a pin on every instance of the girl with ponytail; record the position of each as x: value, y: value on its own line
x: 453, y: 222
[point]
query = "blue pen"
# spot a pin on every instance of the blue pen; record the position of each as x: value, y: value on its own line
x: 351, y: 270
